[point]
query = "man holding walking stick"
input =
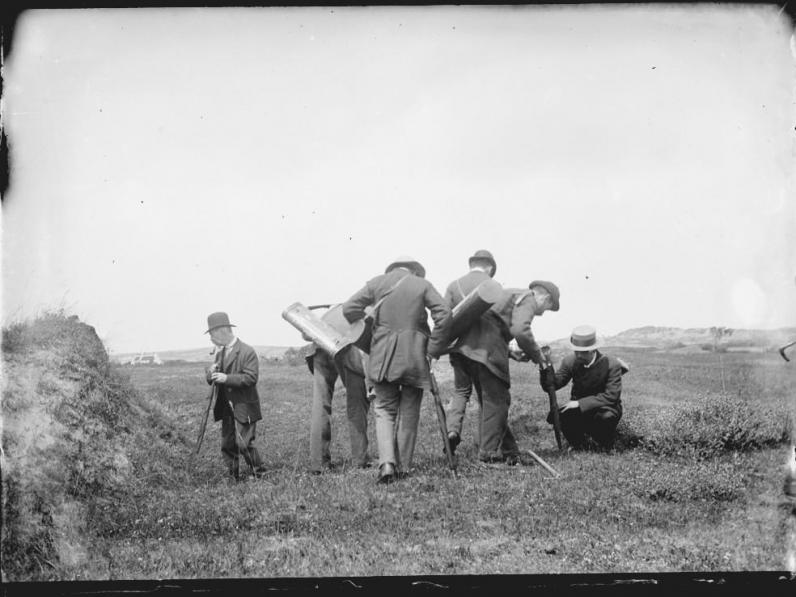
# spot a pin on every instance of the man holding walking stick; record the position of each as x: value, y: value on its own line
x: 595, y: 405
x: 399, y: 346
x: 235, y: 373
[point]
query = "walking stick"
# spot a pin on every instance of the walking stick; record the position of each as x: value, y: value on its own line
x: 443, y: 427
x: 203, y: 426
x: 782, y: 350
x: 547, y: 365
x: 538, y: 459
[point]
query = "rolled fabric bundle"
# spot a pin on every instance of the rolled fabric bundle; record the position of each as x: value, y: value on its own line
x: 309, y: 324
x: 475, y: 304
x: 358, y: 333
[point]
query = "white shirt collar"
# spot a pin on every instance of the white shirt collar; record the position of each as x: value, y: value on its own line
x: 594, y: 358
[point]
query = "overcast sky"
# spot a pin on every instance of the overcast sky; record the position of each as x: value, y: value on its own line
x: 167, y: 163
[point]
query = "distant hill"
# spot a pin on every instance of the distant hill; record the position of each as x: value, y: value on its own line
x: 198, y: 354
x: 676, y: 338
x: 650, y: 337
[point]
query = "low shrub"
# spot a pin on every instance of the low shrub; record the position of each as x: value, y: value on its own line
x: 706, y: 427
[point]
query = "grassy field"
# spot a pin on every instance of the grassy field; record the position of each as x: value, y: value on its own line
x: 673, y: 496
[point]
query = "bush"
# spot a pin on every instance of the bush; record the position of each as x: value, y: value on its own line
x: 707, y: 427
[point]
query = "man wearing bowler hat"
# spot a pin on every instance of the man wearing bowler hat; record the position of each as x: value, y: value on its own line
x: 482, y: 267
x: 483, y: 354
x: 400, y: 343
x: 235, y: 372
x: 595, y: 406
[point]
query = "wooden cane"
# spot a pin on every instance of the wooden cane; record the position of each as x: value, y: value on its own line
x: 203, y: 426
x: 538, y: 459
x: 443, y: 427
x: 551, y: 393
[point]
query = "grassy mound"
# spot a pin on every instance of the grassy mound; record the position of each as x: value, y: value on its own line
x: 707, y: 427
x: 70, y: 423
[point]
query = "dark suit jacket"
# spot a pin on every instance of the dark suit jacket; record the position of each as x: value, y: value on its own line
x: 400, y: 331
x: 599, y: 386
x: 487, y: 341
x: 461, y: 287
x: 242, y: 367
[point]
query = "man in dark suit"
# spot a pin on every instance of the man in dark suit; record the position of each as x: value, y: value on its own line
x: 235, y: 372
x: 483, y: 353
x: 595, y: 406
x: 398, y: 366
x: 482, y: 267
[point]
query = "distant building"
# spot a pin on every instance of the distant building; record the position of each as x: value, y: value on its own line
x: 146, y: 358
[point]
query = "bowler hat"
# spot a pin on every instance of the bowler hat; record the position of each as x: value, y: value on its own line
x: 219, y: 319
x: 584, y: 337
x: 409, y: 263
x: 549, y: 287
x: 486, y: 256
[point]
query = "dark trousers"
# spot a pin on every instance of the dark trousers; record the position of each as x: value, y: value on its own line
x: 600, y: 424
x: 496, y: 441
x: 325, y: 374
x: 462, y: 390
x: 238, y: 439
x: 397, y: 412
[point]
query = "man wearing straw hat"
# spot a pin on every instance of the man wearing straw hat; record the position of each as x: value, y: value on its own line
x: 595, y: 406
x: 235, y: 372
x: 484, y: 355
x: 400, y: 343
x: 482, y: 267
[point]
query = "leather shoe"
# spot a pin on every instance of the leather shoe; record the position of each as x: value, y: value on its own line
x: 325, y: 468
x: 454, y: 440
x: 386, y: 473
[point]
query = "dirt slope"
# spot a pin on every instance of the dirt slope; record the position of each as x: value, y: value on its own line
x: 66, y: 428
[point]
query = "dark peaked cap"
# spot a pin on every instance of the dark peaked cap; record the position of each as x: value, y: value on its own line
x: 549, y: 287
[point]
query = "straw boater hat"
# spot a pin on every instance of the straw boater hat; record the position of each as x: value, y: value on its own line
x: 218, y: 319
x: 549, y: 287
x: 486, y: 256
x: 409, y: 263
x: 584, y: 337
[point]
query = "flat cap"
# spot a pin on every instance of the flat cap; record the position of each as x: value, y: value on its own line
x: 549, y: 287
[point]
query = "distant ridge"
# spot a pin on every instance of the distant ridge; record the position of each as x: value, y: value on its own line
x: 692, y: 339
x: 198, y: 354
x: 655, y: 337
x: 671, y: 337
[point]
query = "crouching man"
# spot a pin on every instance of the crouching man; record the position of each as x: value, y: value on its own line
x: 595, y: 406
x: 235, y: 372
